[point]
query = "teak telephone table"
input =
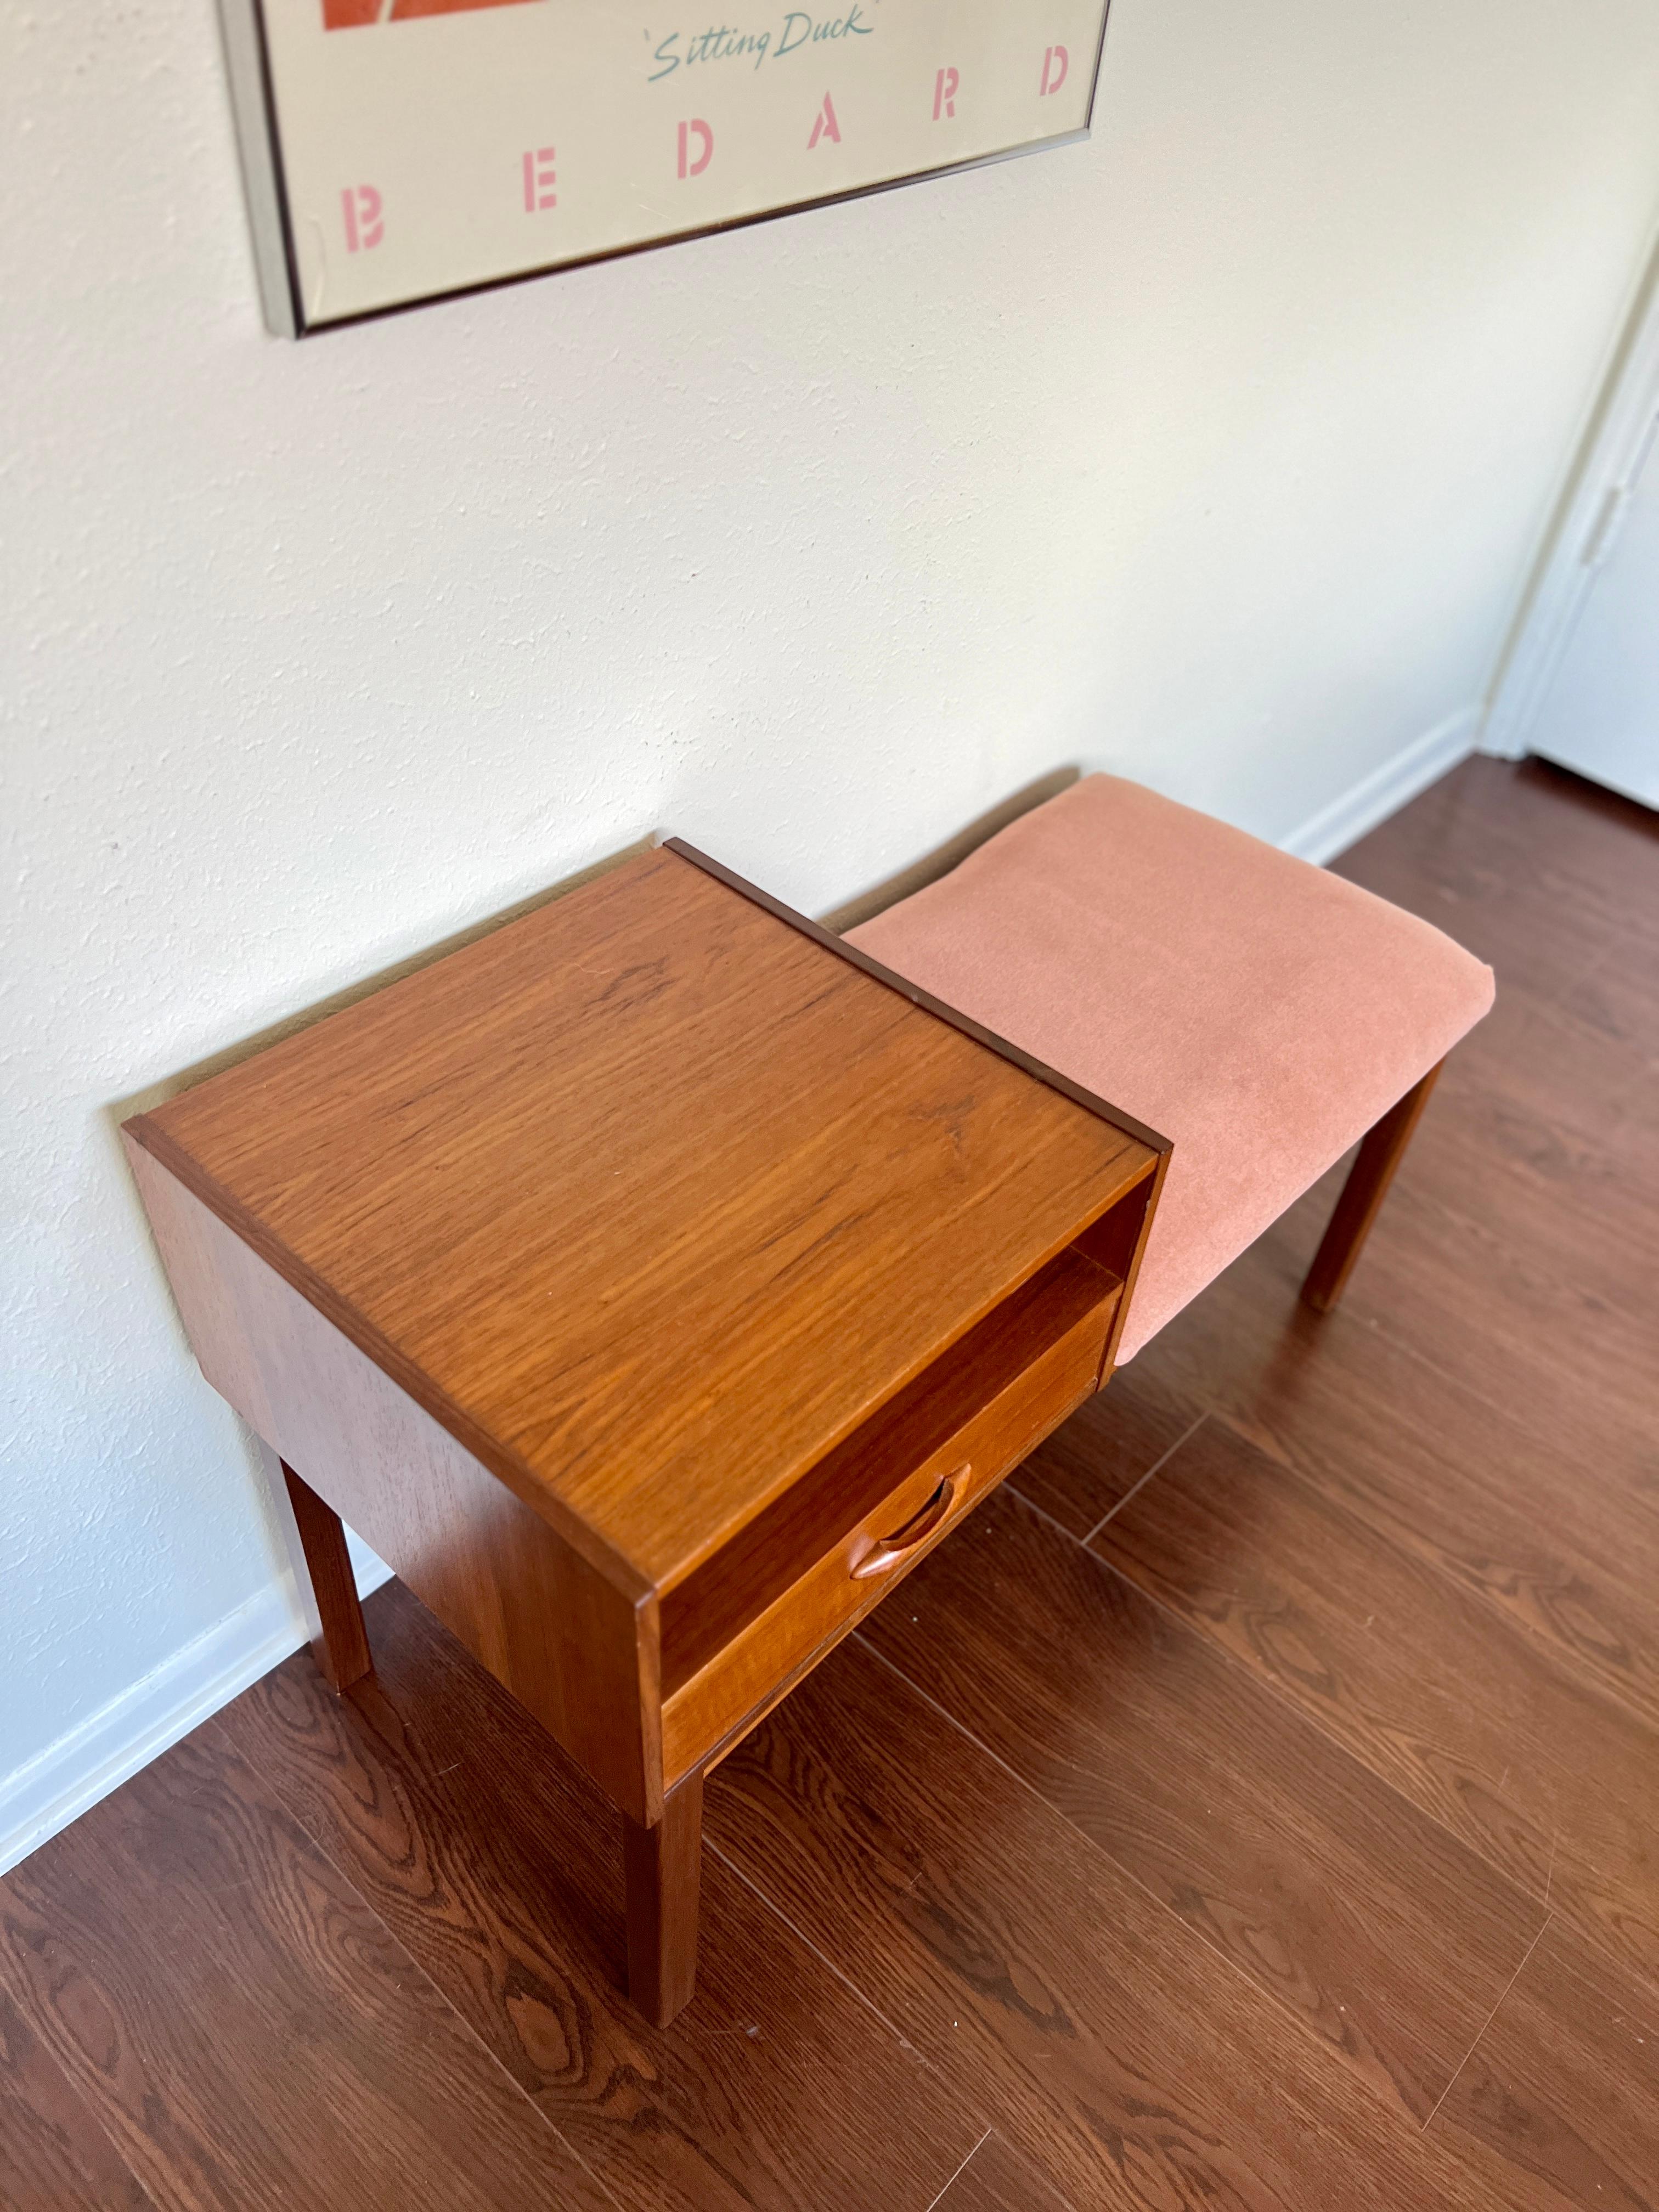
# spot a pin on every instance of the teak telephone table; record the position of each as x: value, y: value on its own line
x: 652, y: 1282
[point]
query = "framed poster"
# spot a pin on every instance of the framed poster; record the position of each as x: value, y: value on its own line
x: 402, y: 151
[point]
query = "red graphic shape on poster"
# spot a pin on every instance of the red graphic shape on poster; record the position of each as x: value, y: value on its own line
x: 946, y: 85
x: 346, y: 14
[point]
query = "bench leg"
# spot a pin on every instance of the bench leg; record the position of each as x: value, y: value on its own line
x: 1362, y: 1195
x: 663, y: 1867
x: 340, y: 1642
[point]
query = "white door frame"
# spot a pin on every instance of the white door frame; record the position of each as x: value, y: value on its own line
x: 1584, y: 530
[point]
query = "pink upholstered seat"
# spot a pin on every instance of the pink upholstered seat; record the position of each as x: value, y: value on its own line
x: 1258, y: 1011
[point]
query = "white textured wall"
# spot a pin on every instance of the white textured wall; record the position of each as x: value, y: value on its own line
x: 1213, y: 451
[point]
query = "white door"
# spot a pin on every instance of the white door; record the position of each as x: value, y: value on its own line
x: 1601, y: 713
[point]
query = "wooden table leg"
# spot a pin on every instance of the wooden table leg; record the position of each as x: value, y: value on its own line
x: 664, y: 1866
x: 1362, y: 1195
x: 342, y: 1647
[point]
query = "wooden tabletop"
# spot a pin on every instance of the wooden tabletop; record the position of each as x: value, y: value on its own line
x: 648, y: 1197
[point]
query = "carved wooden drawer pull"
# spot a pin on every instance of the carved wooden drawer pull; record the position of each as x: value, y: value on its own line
x: 888, y: 1551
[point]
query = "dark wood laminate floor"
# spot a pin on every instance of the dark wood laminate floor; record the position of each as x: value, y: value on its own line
x: 1255, y: 1806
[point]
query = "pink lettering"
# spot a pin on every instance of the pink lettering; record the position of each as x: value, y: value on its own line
x: 689, y: 168
x: 826, y: 126
x: 539, y: 177
x: 1053, y: 76
x: 946, y: 86
x: 364, y: 225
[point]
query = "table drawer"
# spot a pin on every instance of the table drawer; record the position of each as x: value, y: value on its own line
x: 746, y: 1624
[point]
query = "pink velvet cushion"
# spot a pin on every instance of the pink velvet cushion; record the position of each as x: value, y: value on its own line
x: 1258, y: 1010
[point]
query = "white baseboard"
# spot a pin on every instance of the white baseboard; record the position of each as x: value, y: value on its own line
x: 1386, y: 790
x: 99, y: 1753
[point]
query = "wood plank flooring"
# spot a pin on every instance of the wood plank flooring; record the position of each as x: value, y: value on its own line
x: 52, y: 2152
x: 1255, y: 1806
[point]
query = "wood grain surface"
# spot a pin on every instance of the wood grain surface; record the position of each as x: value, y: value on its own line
x: 341, y: 1648
x: 993, y: 1379
x: 53, y: 2154
x: 1561, y: 2096
x: 648, y: 1197
x: 1097, y: 2033
x: 964, y: 1423
x: 1481, y: 1726
x: 1163, y: 1858
x: 996, y: 2179
x: 1375, y: 1166
x: 575, y: 1651
x: 662, y: 1872
x: 1088, y: 1468
x: 1387, y: 1939
x: 1467, y: 1487
x: 1054, y: 1078
x: 496, y: 1868
x: 244, y: 2026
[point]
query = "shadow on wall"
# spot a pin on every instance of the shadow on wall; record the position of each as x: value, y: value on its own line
x: 943, y: 858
